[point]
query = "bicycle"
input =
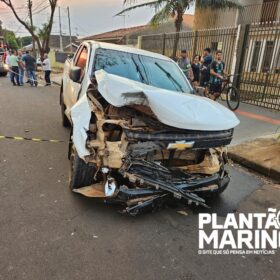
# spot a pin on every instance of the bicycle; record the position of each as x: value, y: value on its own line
x: 231, y: 92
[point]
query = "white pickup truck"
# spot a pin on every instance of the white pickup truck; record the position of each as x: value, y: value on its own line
x: 139, y: 135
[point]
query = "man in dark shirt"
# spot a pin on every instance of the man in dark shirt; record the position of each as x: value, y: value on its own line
x: 196, y: 70
x: 205, y: 67
x: 185, y: 64
x: 217, y: 73
x: 30, y: 66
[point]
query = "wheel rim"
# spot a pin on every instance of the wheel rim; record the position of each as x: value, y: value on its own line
x: 232, y: 99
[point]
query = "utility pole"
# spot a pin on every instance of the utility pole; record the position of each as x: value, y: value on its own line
x: 60, y: 32
x: 69, y: 23
x: 29, y: 5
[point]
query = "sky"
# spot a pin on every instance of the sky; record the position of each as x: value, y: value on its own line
x: 88, y: 17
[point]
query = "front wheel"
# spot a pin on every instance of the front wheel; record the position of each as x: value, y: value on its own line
x: 233, y: 98
x: 81, y: 173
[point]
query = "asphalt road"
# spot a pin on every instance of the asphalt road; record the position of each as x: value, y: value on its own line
x: 49, y: 233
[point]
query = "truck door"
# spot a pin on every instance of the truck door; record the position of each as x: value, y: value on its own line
x: 73, y: 88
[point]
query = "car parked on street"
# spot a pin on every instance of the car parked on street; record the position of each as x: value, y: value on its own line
x: 139, y: 135
x: 4, y: 68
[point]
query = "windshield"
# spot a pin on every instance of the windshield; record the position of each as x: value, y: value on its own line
x: 152, y: 71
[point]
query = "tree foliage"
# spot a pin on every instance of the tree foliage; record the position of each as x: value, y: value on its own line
x: 26, y: 40
x: 176, y: 9
x: 40, y: 36
x: 10, y: 39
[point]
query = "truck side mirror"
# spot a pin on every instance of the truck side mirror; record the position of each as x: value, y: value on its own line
x: 75, y: 74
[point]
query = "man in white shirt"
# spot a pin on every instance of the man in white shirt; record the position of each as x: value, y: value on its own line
x: 8, y: 62
x: 47, y: 69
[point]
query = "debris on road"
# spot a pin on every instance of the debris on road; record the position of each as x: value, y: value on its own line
x: 184, y: 213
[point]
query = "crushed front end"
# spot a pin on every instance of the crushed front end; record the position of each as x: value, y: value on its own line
x: 141, y: 162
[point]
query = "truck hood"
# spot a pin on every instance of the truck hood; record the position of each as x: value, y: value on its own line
x: 180, y: 110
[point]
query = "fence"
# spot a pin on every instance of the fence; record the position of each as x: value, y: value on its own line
x: 194, y: 42
x: 253, y: 54
x: 259, y: 82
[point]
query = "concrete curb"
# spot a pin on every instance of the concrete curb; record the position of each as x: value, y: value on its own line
x: 53, y: 82
x: 260, y: 155
x: 56, y: 83
x: 269, y: 172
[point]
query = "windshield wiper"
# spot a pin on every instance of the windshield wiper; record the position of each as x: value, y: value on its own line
x: 138, y: 69
x: 170, y: 77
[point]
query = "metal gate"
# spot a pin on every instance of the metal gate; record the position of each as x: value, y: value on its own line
x: 259, y: 82
x: 194, y: 42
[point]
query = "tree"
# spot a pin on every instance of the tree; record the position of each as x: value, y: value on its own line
x: 26, y: 40
x: 176, y: 9
x: 40, y: 36
x: 10, y: 39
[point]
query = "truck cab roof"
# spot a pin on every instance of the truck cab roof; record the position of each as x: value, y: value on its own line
x: 127, y: 49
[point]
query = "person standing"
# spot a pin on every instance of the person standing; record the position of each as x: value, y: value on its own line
x: 21, y: 68
x: 47, y: 69
x: 205, y: 67
x: 185, y: 64
x: 196, y: 70
x: 217, y: 73
x: 8, y: 62
x: 30, y: 66
x: 14, y: 68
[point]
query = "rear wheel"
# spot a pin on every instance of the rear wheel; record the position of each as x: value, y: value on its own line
x: 65, y: 121
x: 233, y: 98
x: 81, y: 173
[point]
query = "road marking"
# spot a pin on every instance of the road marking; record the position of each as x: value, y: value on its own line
x: 258, y: 117
x: 19, y: 138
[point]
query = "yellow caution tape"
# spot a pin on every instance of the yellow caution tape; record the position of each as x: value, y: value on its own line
x: 19, y: 138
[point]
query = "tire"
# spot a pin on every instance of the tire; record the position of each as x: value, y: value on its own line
x: 65, y: 121
x: 81, y: 173
x: 233, y: 98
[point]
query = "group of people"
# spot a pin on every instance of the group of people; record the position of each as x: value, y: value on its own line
x: 24, y: 65
x: 204, y: 70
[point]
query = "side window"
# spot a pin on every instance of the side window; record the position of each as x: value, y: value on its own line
x: 81, y: 60
x: 255, y: 57
x: 268, y: 54
x: 77, y: 53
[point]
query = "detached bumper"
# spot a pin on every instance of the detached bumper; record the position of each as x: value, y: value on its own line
x: 154, y: 184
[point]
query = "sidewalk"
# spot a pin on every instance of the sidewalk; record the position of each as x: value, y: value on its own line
x: 55, y: 77
x: 261, y: 155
